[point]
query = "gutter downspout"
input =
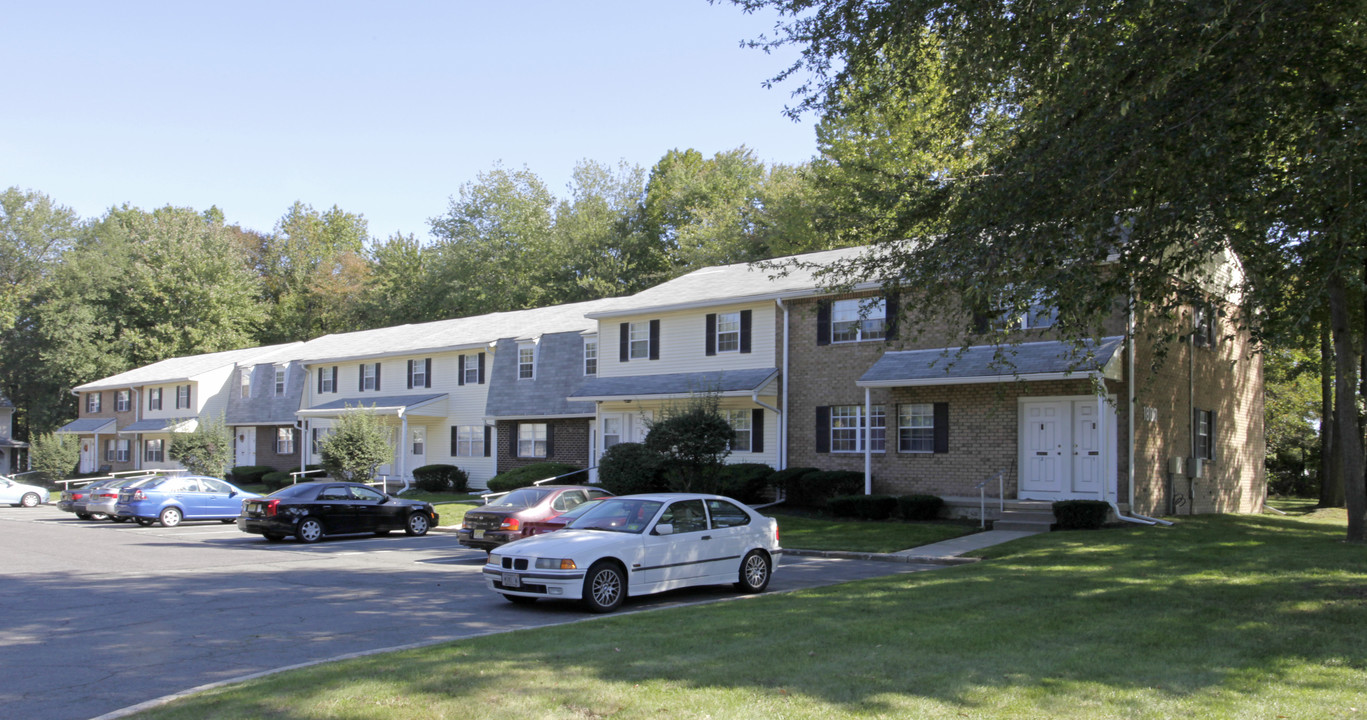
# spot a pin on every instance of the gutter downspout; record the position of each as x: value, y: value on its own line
x: 1130, y: 385
x: 783, y: 415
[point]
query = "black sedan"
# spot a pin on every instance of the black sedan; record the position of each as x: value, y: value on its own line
x: 311, y: 510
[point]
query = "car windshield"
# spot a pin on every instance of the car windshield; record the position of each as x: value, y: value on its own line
x: 524, y: 497
x: 618, y: 515
x: 304, y: 491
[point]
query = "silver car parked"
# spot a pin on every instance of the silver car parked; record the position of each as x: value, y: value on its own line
x: 103, y: 499
x: 18, y: 494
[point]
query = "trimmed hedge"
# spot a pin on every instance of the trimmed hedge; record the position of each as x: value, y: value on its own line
x: 528, y: 474
x: 628, y: 468
x: 441, y: 478
x: 745, y: 482
x: 813, y: 489
x: 276, y: 479
x: 920, y: 507
x: 249, y: 474
x: 1080, y: 514
x: 864, y: 507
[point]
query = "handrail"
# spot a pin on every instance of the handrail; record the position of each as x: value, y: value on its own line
x: 66, y: 484
x: 1000, y: 477
x: 294, y: 476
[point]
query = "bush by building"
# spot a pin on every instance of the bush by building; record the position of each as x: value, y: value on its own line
x: 920, y: 507
x: 441, y: 478
x: 528, y: 474
x: 628, y: 468
x: 1080, y: 514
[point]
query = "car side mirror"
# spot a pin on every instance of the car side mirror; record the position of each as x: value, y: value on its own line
x: 664, y: 529
x: 384, y: 499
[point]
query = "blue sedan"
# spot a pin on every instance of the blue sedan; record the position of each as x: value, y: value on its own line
x: 169, y: 500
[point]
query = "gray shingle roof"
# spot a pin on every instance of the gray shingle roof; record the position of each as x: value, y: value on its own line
x: 559, y: 369
x: 674, y: 385
x: 159, y: 425
x: 88, y: 425
x: 186, y: 368
x: 264, y: 407
x: 990, y: 363
x: 384, y: 402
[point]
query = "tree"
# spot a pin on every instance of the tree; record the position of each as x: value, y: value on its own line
x: 54, y: 455
x: 694, y: 440
x: 206, y: 450
x: 34, y: 232
x: 1152, y: 137
x: 357, y: 445
x: 309, y: 264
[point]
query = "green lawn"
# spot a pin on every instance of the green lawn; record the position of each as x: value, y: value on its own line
x: 808, y: 532
x: 1218, y: 617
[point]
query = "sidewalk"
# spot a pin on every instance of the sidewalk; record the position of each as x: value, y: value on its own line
x: 947, y: 552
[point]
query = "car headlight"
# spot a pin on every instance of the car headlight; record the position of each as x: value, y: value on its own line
x: 555, y: 564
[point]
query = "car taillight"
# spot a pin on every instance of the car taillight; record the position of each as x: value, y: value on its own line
x: 510, y: 524
x: 139, y: 495
x: 270, y: 508
x: 77, y: 496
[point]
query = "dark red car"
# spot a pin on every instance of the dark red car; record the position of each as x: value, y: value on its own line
x: 504, y: 519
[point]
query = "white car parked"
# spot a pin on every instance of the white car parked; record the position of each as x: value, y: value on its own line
x: 637, y: 545
x: 19, y: 494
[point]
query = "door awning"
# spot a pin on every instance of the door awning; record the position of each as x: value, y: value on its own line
x: 88, y: 426
x: 425, y: 405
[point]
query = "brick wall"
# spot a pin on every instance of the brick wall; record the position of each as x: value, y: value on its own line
x: 265, y: 449
x: 571, y: 444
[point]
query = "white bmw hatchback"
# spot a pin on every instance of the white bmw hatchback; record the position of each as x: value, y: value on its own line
x: 637, y: 545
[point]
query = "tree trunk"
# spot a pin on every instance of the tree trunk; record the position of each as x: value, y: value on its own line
x: 1348, y: 441
x: 1331, y: 483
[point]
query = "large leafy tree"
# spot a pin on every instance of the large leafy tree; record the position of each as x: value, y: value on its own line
x: 34, y: 232
x: 313, y: 268
x: 1067, y: 133
x: 206, y: 450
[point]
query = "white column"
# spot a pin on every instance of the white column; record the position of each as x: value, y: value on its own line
x: 868, y: 442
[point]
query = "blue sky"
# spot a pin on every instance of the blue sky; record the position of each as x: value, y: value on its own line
x: 381, y: 108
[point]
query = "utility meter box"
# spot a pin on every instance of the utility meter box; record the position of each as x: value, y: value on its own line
x: 1176, y: 465
x: 1196, y: 468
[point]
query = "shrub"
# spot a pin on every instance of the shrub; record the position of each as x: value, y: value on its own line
x: 357, y: 445
x: 1080, y: 514
x: 628, y: 468
x: 56, y: 456
x: 783, y: 480
x: 441, y: 478
x: 920, y: 507
x: 528, y: 474
x: 864, y: 507
x: 745, y: 482
x: 814, y: 488
x: 250, y: 474
x: 694, y: 441
x: 206, y: 450
x: 276, y: 479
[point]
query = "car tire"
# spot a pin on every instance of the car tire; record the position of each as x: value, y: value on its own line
x: 310, y: 530
x: 604, y: 587
x: 29, y: 500
x: 519, y: 599
x: 225, y: 521
x: 146, y: 522
x: 755, y: 570
x: 118, y: 519
x: 170, y: 517
x: 273, y: 537
x: 418, y: 524
x: 83, y: 516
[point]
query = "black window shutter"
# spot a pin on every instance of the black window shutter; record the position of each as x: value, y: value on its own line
x: 488, y: 441
x: 360, y: 382
x: 757, y: 429
x: 654, y: 339
x: 320, y: 378
x: 1213, y: 444
x: 515, y: 432
x: 481, y: 368
x: 460, y: 370
x: 427, y: 372
x: 624, y: 347
x: 893, y: 305
x: 823, y: 323
x: 455, y: 439
x: 550, y: 441
x: 410, y: 374
x: 377, y: 376
x: 823, y: 429
x: 745, y: 331
x: 334, y: 379
x: 711, y: 341
x: 941, y: 427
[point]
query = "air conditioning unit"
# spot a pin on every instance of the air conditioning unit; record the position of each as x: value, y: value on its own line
x: 1196, y: 468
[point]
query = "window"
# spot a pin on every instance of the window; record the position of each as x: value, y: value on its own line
x: 728, y: 332
x: 123, y: 401
x: 92, y: 402
x: 1040, y: 313
x: 280, y: 382
x: 1203, y: 326
x: 526, y: 361
x: 916, y: 428
x: 327, y: 378
x: 154, y: 399
x: 612, y: 431
x: 591, y: 356
x: 318, y: 435
x: 109, y: 450
x: 740, y: 427
x: 470, y: 366
x: 1205, y: 434
x: 531, y: 440
x: 370, y: 376
x: 245, y: 382
x: 469, y: 441
x: 154, y: 451
x: 284, y: 441
x: 725, y: 515
x: 419, y: 440
x: 182, y: 396
x: 364, y: 494
x: 858, y: 319
x: 121, y: 451
x: 848, y: 428
x: 640, y: 341
x: 420, y: 373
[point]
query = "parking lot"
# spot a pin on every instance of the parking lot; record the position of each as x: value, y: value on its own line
x: 98, y: 616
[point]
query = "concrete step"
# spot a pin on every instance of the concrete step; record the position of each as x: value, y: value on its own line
x: 1029, y: 517
x: 1022, y: 526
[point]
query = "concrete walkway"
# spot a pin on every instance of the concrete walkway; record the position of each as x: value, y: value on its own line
x: 947, y: 552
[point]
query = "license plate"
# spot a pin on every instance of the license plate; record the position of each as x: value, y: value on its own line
x: 477, y: 534
x: 511, y: 580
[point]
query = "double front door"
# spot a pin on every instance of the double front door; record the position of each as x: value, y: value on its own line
x: 1066, y: 447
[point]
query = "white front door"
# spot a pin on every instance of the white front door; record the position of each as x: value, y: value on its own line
x: 1065, y: 445
x: 89, y: 454
x: 1086, y: 449
x: 1044, y: 438
x: 246, y: 445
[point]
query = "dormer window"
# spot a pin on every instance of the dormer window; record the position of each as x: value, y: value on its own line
x: 591, y: 356
x: 280, y: 382
x: 245, y: 382
x: 526, y: 361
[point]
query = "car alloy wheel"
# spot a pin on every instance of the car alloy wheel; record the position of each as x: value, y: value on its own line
x: 29, y: 500
x: 754, y: 572
x: 604, y: 587
x: 417, y: 524
x: 170, y: 517
x: 309, y: 531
